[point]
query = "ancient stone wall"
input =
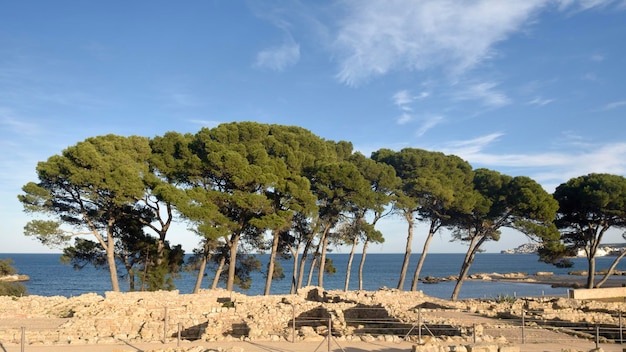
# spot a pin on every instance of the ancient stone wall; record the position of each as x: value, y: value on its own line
x: 213, y: 315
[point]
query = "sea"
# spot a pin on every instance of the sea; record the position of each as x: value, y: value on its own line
x: 50, y: 277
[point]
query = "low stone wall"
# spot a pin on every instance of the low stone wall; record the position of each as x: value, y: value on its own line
x: 216, y: 315
x: 599, y: 293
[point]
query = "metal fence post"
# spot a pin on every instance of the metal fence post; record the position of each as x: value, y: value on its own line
x: 523, y: 327
x: 23, y: 338
x: 165, y: 326
x: 474, y: 331
x: 597, y: 336
x: 621, y: 337
x: 419, y: 326
x: 329, y: 333
x: 178, y: 341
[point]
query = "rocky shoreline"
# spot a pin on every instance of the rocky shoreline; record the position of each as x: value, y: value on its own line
x: 573, y: 280
x: 14, y: 278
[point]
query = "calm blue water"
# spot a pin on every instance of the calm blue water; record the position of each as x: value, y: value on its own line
x: 48, y: 277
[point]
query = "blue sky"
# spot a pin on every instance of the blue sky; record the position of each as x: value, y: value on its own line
x: 532, y: 87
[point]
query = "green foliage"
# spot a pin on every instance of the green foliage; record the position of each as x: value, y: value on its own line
x: 12, y: 289
x: 329, y: 268
x: 500, y: 298
x: 244, y: 267
x: 240, y: 181
x: 83, y: 253
x: 6, y: 267
x: 228, y: 304
x: 589, y: 206
x: 160, y: 276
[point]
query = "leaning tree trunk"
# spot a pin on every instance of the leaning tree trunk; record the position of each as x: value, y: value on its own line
x: 203, y: 262
x: 218, y: 273
x: 232, y: 262
x: 313, y: 264
x: 591, y: 257
x: 301, y: 267
x: 320, y: 272
x: 349, y: 266
x: 200, y: 275
x: 431, y: 232
x: 407, y: 251
x: 362, y: 263
x: 110, y: 252
x: 270, y: 264
x: 294, y: 275
x: 611, y: 269
x: 475, y: 244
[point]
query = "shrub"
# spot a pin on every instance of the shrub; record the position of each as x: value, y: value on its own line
x: 504, y: 299
x: 12, y: 289
x: 6, y: 268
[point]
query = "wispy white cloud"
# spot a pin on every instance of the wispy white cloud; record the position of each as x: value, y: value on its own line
x: 429, y: 122
x: 15, y: 124
x: 284, y: 55
x: 484, y: 92
x: 206, y: 123
x: 472, y: 146
x: 404, y: 119
x: 181, y: 99
x: 582, y: 5
x: 540, y: 101
x: 614, y: 105
x: 597, y: 57
x: 279, y: 58
x: 402, y: 98
x: 547, y: 168
x: 378, y: 37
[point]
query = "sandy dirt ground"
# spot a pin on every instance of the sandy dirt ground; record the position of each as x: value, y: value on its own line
x: 284, y: 346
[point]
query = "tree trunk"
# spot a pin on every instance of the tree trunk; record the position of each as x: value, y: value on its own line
x: 420, y: 263
x: 218, y: 273
x: 302, y: 265
x: 407, y: 252
x: 611, y: 269
x: 362, y: 263
x: 201, y: 269
x: 591, y: 255
x: 312, y: 267
x: 131, y: 279
x: 591, y: 277
x: 294, y: 274
x: 349, y: 267
x: 467, y: 263
x: 160, y: 248
x: 270, y: 264
x: 110, y: 252
x: 320, y: 272
x: 232, y: 262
